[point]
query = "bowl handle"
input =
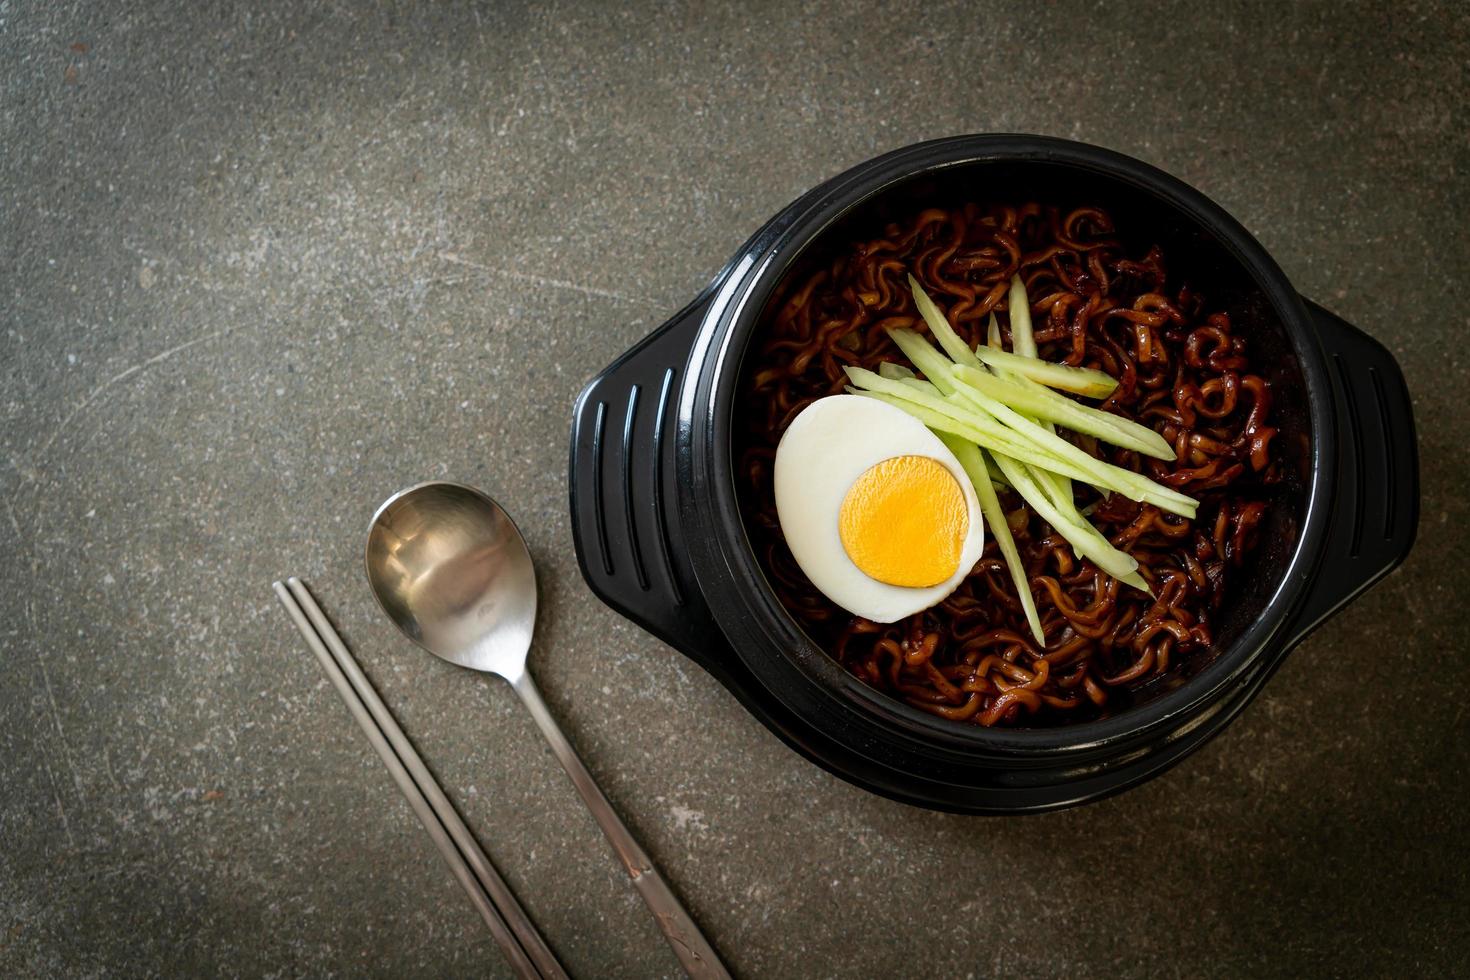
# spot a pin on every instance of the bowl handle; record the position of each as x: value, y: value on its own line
x: 625, y: 511
x: 1375, y: 509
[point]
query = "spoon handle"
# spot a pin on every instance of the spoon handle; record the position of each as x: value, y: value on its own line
x: 695, y: 954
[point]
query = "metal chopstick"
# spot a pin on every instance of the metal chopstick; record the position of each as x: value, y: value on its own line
x: 492, y: 898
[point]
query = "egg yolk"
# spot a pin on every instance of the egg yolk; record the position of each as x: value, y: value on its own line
x: 904, y: 521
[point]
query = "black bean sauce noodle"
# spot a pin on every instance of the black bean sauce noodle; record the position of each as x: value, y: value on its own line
x: 1181, y: 369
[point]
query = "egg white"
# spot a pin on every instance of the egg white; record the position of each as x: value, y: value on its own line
x: 828, y: 446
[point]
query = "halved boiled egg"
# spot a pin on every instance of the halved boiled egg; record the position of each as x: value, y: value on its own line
x: 876, y: 510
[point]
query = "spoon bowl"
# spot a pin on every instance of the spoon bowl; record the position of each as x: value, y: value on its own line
x: 451, y: 570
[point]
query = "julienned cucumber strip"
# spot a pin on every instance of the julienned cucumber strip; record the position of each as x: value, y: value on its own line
x: 941, y: 422
x: 1059, y: 488
x: 950, y: 423
x: 953, y: 344
x: 1040, y: 403
x: 936, y: 366
x: 973, y: 461
x: 1022, y: 339
x: 1083, y: 526
x: 1018, y: 378
x: 952, y: 414
x: 1133, y: 485
x: 1041, y: 448
x: 1103, y: 555
x: 1080, y: 381
x: 940, y: 370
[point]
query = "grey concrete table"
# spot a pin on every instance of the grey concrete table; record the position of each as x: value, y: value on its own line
x: 262, y: 264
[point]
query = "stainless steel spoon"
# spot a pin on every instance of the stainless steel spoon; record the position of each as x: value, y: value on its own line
x: 450, y: 568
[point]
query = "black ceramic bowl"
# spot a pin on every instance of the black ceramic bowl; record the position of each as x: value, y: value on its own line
x: 660, y: 538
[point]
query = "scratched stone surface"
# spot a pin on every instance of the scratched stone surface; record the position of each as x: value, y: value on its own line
x: 262, y: 264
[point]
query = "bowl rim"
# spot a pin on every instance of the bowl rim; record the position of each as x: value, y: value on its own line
x: 716, y: 357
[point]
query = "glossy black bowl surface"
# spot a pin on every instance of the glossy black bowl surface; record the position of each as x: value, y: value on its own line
x: 658, y: 527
